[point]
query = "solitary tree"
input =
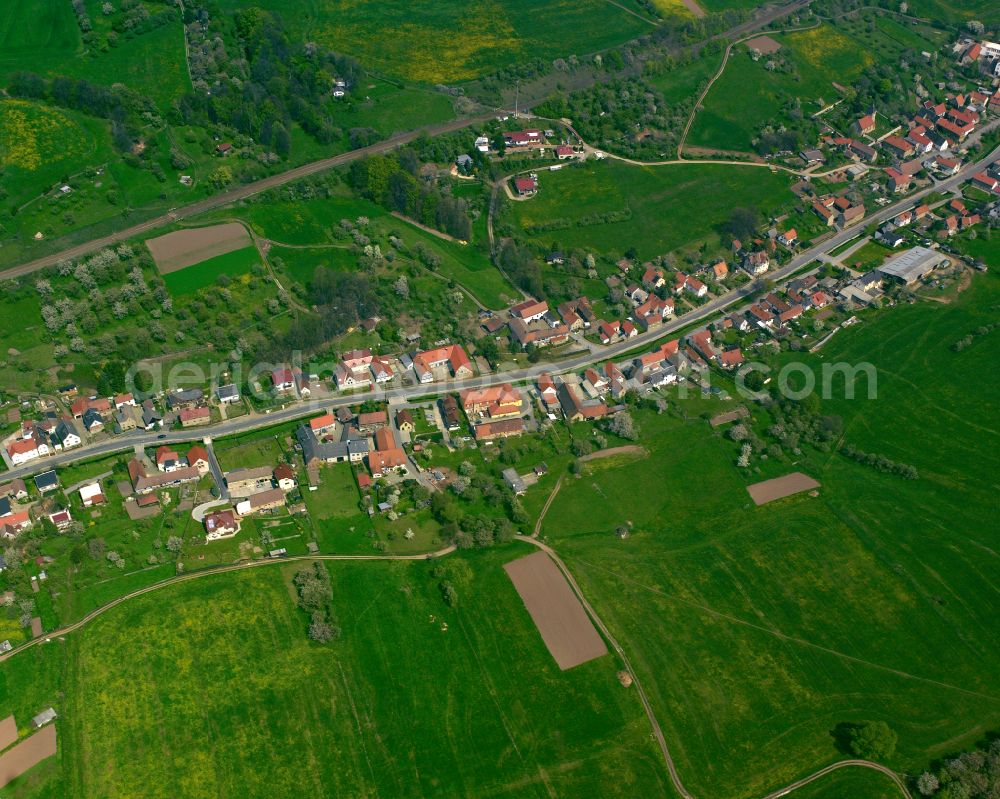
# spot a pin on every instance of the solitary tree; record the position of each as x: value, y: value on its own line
x: 873, y: 740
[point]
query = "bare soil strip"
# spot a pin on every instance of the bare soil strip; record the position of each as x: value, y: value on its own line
x: 27, y: 754
x: 765, y: 44
x: 780, y: 487
x: 730, y: 416
x: 561, y: 620
x: 610, y: 452
x: 184, y: 248
x: 8, y: 732
x: 694, y: 8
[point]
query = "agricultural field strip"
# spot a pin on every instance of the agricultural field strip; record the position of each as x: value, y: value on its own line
x: 314, y: 167
x: 183, y: 248
x: 560, y: 618
x: 710, y: 309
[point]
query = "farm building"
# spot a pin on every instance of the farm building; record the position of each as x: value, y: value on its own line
x: 912, y: 265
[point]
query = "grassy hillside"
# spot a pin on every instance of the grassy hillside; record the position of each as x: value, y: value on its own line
x: 660, y: 208
x: 44, y: 37
x: 417, y: 699
x: 759, y: 630
x: 404, y: 38
x: 747, y: 94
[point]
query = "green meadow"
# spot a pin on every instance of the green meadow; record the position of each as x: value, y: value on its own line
x: 682, y: 83
x: 42, y: 36
x: 404, y: 39
x: 660, y: 208
x: 416, y: 699
x: 206, y: 273
x: 309, y: 230
x: 758, y: 631
x: 747, y: 95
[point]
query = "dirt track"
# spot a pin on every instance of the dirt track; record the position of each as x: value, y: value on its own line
x: 560, y: 618
x: 765, y: 44
x: 770, y: 490
x: 610, y: 452
x: 183, y: 248
x: 8, y: 732
x: 27, y: 754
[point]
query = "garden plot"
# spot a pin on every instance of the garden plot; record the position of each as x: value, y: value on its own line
x: 183, y: 248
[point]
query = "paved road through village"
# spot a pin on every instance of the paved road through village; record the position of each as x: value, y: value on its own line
x: 573, y: 363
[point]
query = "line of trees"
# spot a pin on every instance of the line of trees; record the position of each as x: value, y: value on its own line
x: 880, y: 462
x: 316, y: 598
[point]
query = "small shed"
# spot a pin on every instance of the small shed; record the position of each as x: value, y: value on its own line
x: 43, y: 718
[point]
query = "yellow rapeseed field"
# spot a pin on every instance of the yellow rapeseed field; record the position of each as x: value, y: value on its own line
x: 826, y: 48
x: 31, y: 135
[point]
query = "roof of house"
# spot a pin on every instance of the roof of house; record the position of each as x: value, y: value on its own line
x: 452, y: 354
x: 733, y: 357
x: 197, y: 453
x: 500, y: 427
x: 322, y: 422
x: 384, y: 440
x: 22, y: 446
x: 249, y: 473
x: 529, y: 308
x: 383, y: 459
x: 284, y: 471
x: 220, y: 520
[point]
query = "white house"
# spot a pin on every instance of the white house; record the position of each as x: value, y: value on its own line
x: 92, y: 494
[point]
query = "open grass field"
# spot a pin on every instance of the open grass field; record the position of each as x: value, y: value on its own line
x: 42, y: 36
x: 985, y: 11
x: 35, y: 34
x: 758, y: 630
x: 858, y: 782
x: 300, y: 263
x: 403, y: 39
x: 747, y: 95
x: 683, y: 82
x: 390, y: 108
x: 867, y: 257
x: 417, y: 699
x: 667, y: 207
x: 191, y: 278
